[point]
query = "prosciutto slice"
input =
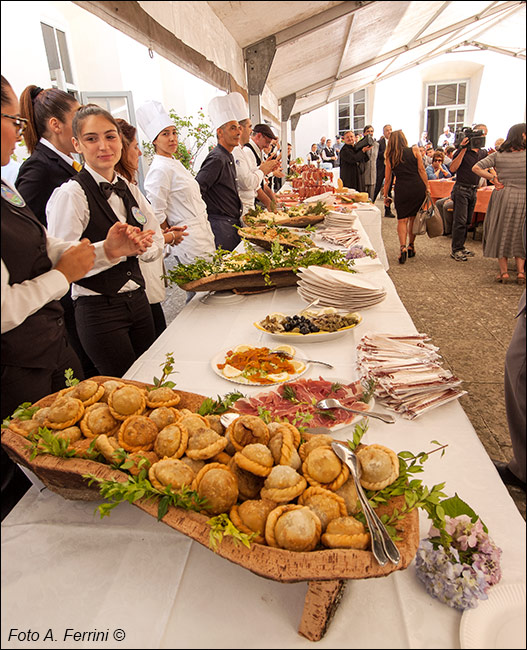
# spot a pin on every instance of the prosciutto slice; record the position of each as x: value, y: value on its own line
x: 295, y: 402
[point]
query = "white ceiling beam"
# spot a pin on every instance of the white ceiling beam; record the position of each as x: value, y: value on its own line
x: 342, y: 56
x: 489, y: 13
x: 315, y: 23
x: 493, y: 48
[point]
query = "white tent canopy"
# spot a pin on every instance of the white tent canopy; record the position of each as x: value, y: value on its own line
x: 305, y: 55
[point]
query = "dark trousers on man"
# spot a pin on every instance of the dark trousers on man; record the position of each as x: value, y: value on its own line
x: 224, y: 231
x: 464, y: 199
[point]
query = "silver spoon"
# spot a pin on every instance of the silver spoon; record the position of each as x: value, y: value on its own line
x: 327, y: 404
x: 290, y: 356
x: 383, y: 547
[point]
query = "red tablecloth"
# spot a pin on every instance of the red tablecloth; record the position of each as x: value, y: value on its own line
x: 442, y: 188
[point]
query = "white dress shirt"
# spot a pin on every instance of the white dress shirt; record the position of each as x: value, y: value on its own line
x: 175, y: 196
x: 248, y: 176
x: 19, y: 301
x: 68, y: 215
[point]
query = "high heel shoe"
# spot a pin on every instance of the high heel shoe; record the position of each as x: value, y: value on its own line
x: 402, y: 256
x: 411, y: 250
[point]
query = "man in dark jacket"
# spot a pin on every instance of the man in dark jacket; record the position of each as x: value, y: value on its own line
x: 350, y: 159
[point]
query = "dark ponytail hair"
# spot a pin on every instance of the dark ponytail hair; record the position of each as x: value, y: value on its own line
x: 87, y: 111
x: 38, y: 106
x: 4, y: 89
x: 514, y: 141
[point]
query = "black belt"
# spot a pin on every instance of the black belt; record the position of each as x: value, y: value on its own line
x: 473, y: 187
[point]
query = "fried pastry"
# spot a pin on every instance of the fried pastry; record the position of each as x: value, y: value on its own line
x: 163, y: 416
x: 218, y: 485
x: 278, y: 427
x: 170, y: 472
x: 255, y: 458
x: 283, y: 447
x: 64, y: 412
x: 195, y: 465
x: 283, y: 484
x: 141, y: 460
x: 41, y: 415
x: 205, y: 444
x: 246, y: 430
x: 137, y: 433
x: 87, y: 391
x: 325, y: 504
x: 379, y: 465
x: 126, y: 400
x: 82, y: 448
x: 323, y: 468
x: 346, y: 532
x: 109, y: 385
x: 317, y: 440
x: 162, y: 396
x: 215, y: 424
x: 193, y: 422
x: 292, y: 527
x: 171, y: 441
x: 71, y: 434
x: 24, y: 427
x: 249, y: 485
x: 348, y: 492
x: 98, y: 419
x: 250, y: 517
x: 108, y: 447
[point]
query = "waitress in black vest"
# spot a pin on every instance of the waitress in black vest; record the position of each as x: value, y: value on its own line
x: 113, y: 317
x: 48, y: 137
x: 36, y: 272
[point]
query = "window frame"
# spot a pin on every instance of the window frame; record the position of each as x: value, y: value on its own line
x: 59, y: 80
x: 350, y: 101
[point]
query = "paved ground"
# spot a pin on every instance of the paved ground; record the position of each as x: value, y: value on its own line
x: 469, y: 316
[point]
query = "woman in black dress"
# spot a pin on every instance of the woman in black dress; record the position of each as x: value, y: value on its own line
x: 411, y: 185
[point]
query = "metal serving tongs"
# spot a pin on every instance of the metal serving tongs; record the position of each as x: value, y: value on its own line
x: 382, y: 546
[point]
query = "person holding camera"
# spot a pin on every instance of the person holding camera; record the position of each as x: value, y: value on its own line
x: 468, y: 153
x: 350, y: 159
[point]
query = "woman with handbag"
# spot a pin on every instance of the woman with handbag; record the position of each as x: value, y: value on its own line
x: 411, y: 185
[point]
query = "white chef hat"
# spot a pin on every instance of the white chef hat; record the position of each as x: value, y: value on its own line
x: 152, y: 119
x: 227, y: 108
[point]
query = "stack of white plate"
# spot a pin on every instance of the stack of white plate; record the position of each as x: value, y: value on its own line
x: 339, y: 219
x: 338, y: 289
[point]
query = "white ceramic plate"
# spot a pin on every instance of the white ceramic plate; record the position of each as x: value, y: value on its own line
x: 498, y: 622
x: 221, y: 356
x: 328, y: 425
x: 313, y: 337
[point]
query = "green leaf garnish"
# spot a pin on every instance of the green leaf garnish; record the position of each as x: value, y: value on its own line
x: 24, y: 411
x: 220, y: 526
x: 218, y: 406
x: 70, y: 379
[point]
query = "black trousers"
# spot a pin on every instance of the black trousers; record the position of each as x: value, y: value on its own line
x: 225, y: 234
x: 115, y: 330
x: 29, y: 385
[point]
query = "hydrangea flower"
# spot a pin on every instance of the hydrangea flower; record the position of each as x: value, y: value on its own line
x: 460, y: 574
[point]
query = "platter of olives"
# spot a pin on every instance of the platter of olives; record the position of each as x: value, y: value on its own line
x: 313, y: 324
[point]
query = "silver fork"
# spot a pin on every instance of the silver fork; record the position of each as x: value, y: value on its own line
x: 290, y: 356
x: 327, y: 404
x: 383, y: 548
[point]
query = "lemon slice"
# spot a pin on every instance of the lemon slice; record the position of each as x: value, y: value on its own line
x: 284, y: 347
x: 298, y: 365
x: 279, y: 376
x: 231, y: 371
x: 242, y: 348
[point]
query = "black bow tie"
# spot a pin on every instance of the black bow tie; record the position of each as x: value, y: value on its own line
x: 119, y: 187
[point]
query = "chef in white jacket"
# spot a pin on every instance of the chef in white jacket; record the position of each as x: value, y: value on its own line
x: 249, y: 173
x: 171, y: 189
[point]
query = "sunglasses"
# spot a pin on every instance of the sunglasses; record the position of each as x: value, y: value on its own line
x: 20, y: 122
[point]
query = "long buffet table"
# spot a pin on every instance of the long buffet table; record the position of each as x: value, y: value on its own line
x: 140, y: 584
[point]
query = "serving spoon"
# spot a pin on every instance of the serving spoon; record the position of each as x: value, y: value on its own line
x: 382, y: 545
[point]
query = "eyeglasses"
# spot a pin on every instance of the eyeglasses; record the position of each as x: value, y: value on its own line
x: 20, y: 122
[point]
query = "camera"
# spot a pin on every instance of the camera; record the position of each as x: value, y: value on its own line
x: 476, y: 138
x: 366, y: 141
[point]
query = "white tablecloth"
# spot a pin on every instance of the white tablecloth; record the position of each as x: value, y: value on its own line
x: 66, y: 571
